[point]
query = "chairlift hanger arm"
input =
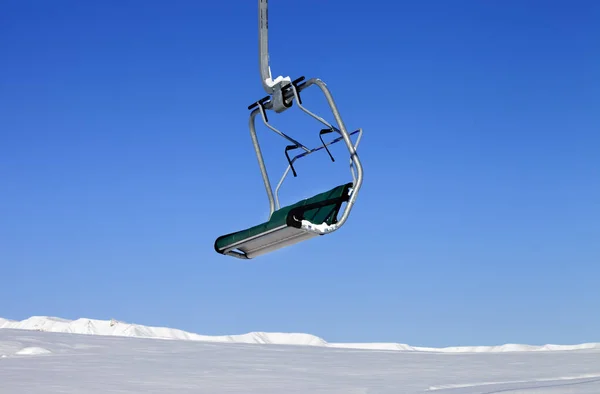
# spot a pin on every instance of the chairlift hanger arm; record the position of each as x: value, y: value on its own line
x: 263, y: 44
x: 269, y: 84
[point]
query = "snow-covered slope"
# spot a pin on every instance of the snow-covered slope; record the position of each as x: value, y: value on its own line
x: 117, y: 328
x: 36, y: 362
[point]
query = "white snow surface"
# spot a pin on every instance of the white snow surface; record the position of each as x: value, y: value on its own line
x: 117, y: 328
x: 32, y: 351
x: 35, y: 361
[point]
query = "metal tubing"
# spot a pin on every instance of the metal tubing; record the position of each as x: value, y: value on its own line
x: 320, y: 119
x: 261, y: 162
x: 263, y: 44
x: 352, y: 170
x: 351, y: 149
x: 287, y: 170
x: 264, y: 118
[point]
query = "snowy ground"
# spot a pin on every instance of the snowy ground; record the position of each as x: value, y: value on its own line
x: 34, y: 360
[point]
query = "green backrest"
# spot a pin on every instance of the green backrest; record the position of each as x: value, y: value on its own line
x: 327, y: 213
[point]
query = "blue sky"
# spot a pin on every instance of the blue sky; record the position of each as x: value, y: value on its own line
x: 124, y: 153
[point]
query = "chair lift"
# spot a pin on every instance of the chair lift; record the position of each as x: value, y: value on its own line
x: 310, y: 217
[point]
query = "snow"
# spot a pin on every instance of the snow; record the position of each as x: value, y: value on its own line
x: 321, y: 228
x: 117, y: 328
x: 33, y: 350
x: 272, y: 82
x: 582, y: 377
x: 110, y: 363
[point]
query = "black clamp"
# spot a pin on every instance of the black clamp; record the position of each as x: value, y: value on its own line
x: 286, y: 90
x: 297, y: 85
x: 261, y: 103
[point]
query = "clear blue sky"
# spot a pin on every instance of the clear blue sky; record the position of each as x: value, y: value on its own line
x: 124, y: 153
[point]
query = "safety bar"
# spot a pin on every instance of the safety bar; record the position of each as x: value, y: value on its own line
x: 300, y: 155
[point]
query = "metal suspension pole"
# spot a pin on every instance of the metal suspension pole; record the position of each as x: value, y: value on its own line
x: 271, y: 86
x: 263, y: 44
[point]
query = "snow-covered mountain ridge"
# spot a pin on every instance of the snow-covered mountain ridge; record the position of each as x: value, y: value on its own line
x: 118, y: 328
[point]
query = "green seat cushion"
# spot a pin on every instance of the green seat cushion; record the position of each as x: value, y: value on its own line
x: 280, y: 218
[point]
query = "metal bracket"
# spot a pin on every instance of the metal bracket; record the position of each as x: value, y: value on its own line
x: 280, y: 103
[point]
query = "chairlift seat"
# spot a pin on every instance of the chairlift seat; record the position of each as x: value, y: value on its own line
x: 285, y: 226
